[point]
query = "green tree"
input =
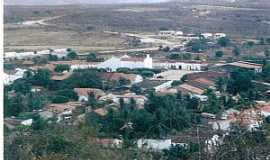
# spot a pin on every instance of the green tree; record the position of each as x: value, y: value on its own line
x: 219, y: 54
x: 62, y: 68
x: 91, y: 57
x: 267, y: 52
x: 38, y: 123
x: 59, y: 99
x: 72, y: 54
x: 224, y: 41
x: 42, y: 77
x: 236, y: 51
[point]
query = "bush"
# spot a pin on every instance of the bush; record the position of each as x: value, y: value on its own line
x: 219, y: 54
x: 62, y: 67
x: 147, y: 73
x: 69, y: 93
x: 224, y: 41
x: 60, y: 99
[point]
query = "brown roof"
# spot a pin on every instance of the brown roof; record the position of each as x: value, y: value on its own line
x: 114, y: 76
x: 133, y: 59
x: 51, y: 67
x: 28, y: 63
x: 179, y: 61
x: 191, y: 89
x: 73, y: 62
x: 59, y: 108
x: 86, y: 91
x: 210, y: 75
x: 101, y: 111
x: 247, y: 65
x: 62, y: 76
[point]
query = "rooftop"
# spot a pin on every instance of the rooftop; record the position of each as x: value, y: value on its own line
x: 247, y: 65
x: 61, y: 77
x: 191, y: 89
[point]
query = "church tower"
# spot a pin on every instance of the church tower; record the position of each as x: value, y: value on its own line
x: 148, y: 62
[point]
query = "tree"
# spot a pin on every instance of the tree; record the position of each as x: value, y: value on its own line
x: 267, y: 52
x: 219, y: 54
x: 38, y: 123
x: 62, y: 68
x: 123, y: 82
x: 60, y: 99
x: 22, y: 86
x: 42, y: 77
x: 69, y: 93
x: 72, y: 54
x: 240, y: 81
x: 92, y: 101
x: 236, y: 51
x: 86, y: 78
x: 91, y: 57
x: 136, y: 89
x: 224, y: 41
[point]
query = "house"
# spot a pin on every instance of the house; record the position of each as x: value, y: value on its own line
x: 154, y: 144
x: 114, y: 76
x: 84, y: 92
x: 257, y: 68
x: 140, y: 100
x: 167, y: 33
x: 114, y: 63
x: 107, y: 142
x: 25, y: 55
x: 207, y: 35
x: 101, y: 111
x: 10, y: 78
x: 60, y: 53
x: 49, y: 66
x: 219, y: 35
x: 62, y: 107
x: 27, y: 122
x: 61, y: 76
x: 193, y: 65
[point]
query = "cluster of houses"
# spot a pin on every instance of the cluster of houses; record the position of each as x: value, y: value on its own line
x: 197, y: 80
x: 166, y: 33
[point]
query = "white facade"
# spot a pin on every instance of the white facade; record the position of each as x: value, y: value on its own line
x: 154, y: 144
x: 27, y: 122
x: 207, y: 35
x: 9, y: 79
x: 180, y: 65
x: 114, y: 63
x: 60, y: 53
x: 219, y: 35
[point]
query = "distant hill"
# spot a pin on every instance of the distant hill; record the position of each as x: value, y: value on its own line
x: 68, y: 2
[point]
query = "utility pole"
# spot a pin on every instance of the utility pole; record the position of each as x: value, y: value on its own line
x: 198, y: 141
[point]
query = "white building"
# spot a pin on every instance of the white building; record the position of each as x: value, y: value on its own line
x: 114, y: 63
x: 219, y: 35
x: 181, y: 65
x: 60, y: 53
x: 154, y: 144
x: 9, y: 79
x: 207, y: 35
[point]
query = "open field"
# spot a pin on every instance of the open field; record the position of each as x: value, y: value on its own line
x: 81, y: 27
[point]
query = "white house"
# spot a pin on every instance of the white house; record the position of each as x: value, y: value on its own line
x: 27, y: 122
x: 154, y: 144
x: 207, y: 35
x: 60, y: 53
x: 9, y: 79
x: 181, y: 65
x: 114, y: 63
x: 219, y: 35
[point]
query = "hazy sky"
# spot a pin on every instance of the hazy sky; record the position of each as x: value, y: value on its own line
x: 59, y: 2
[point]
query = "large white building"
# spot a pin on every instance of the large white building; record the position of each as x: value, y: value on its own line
x: 114, y: 63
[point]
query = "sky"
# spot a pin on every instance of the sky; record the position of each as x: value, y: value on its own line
x: 59, y: 2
